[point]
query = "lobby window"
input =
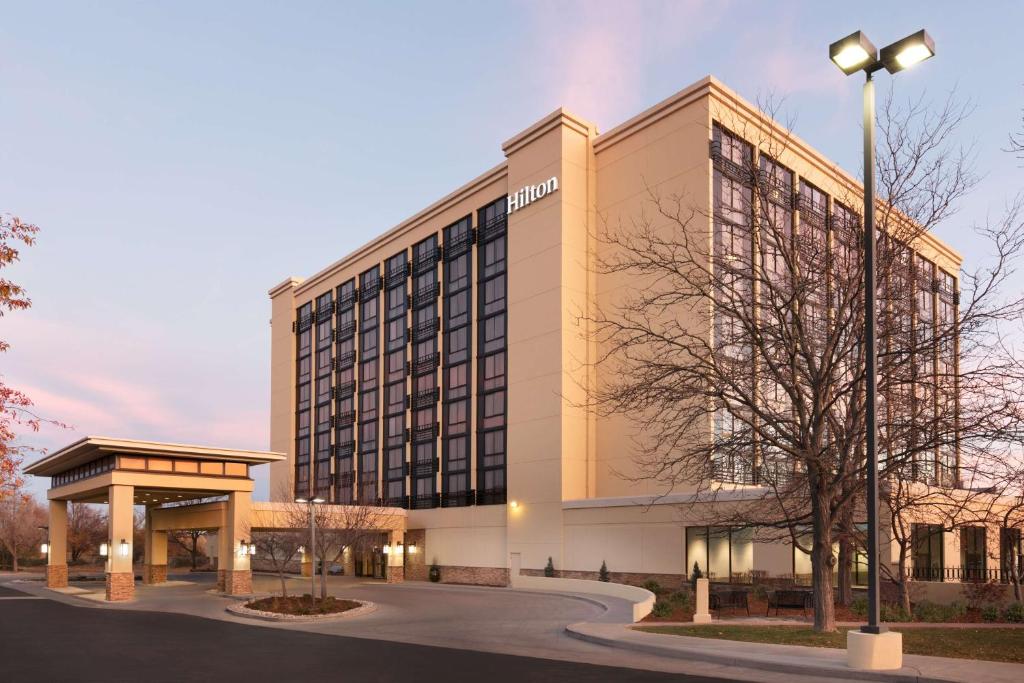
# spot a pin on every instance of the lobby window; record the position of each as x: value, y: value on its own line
x: 303, y: 393
x: 455, y: 434
x: 397, y: 297
x: 423, y: 468
x: 322, y: 442
x: 973, y: 554
x: 722, y: 553
x: 369, y: 359
x: 491, y: 346
x: 927, y: 552
x: 344, y: 393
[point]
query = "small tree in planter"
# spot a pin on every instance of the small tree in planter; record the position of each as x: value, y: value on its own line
x: 549, y: 568
x: 435, y: 572
x: 602, y: 574
x: 696, y: 574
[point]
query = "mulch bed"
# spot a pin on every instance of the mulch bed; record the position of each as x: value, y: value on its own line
x: 302, y: 606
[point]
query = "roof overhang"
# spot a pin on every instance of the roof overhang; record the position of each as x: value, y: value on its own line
x: 92, y: 447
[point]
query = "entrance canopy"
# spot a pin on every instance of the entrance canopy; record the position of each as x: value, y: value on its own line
x: 122, y: 473
x: 158, y: 472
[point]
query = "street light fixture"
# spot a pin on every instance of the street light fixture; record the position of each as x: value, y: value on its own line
x: 312, y: 541
x: 852, y: 54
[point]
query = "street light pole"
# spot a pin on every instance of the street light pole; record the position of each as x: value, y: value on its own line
x: 852, y: 54
x: 310, y: 502
x: 874, y: 624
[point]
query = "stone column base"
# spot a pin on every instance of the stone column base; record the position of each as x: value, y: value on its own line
x: 306, y: 568
x: 56, y: 576
x: 395, y: 575
x: 154, y: 573
x: 874, y: 651
x: 120, y: 586
x: 237, y: 582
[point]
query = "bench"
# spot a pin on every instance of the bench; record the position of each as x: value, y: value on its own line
x: 729, y: 599
x: 789, y: 599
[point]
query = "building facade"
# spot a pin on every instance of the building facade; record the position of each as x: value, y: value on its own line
x: 445, y: 366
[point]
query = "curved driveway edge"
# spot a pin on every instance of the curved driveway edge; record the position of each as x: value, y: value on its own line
x: 807, y: 661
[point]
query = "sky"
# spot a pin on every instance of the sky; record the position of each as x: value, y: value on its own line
x: 183, y: 158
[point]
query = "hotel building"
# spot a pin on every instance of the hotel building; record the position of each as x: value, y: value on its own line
x: 443, y: 366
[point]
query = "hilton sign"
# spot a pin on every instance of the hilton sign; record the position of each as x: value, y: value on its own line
x: 531, y: 193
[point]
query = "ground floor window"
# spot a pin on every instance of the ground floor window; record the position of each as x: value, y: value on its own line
x: 927, y: 552
x: 1011, y: 558
x: 972, y: 553
x: 721, y: 553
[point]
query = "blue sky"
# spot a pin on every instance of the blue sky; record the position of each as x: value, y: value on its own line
x: 182, y: 158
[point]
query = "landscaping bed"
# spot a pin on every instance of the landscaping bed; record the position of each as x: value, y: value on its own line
x: 992, y: 644
x: 295, y: 608
x: 302, y: 606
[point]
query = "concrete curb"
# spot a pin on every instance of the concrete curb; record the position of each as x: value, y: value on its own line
x: 784, y: 662
x: 364, y: 608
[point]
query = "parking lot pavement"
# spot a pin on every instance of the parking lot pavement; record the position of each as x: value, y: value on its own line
x: 47, y: 640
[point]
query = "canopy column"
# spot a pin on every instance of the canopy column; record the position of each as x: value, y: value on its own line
x: 57, y: 557
x: 121, y: 527
x: 154, y: 568
x: 234, y: 575
x: 396, y: 557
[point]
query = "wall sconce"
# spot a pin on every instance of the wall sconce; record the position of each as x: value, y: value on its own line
x: 252, y: 549
x: 387, y: 549
x: 104, y: 550
x: 514, y: 504
x: 45, y: 548
x: 401, y: 547
x: 302, y: 550
x: 125, y: 548
x: 412, y: 548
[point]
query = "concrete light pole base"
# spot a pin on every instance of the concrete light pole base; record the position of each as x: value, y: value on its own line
x: 701, y: 614
x: 874, y: 652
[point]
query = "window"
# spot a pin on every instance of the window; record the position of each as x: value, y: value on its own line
x: 1011, y: 559
x: 423, y: 471
x: 491, y: 344
x: 722, y: 553
x: 303, y: 392
x: 927, y: 552
x: 973, y: 554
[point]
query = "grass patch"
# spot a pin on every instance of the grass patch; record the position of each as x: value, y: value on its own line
x: 303, y: 606
x: 994, y: 644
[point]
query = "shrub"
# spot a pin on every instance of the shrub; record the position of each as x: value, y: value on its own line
x: 990, y: 613
x: 1014, y: 613
x: 859, y: 606
x: 661, y: 609
x: 981, y: 593
x: 694, y: 575
x: 893, y: 613
x: 653, y: 586
x: 549, y: 568
x: 679, y: 599
x: 760, y: 591
x: 934, y: 613
x: 602, y: 574
x: 435, y: 573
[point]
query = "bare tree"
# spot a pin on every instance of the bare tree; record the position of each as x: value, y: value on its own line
x: 21, y: 517
x: 87, y: 529
x: 279, y: 546
x: 739, y: 355
x: 189, y: 541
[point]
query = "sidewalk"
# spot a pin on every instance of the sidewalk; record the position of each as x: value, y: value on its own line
x: 796, y: 659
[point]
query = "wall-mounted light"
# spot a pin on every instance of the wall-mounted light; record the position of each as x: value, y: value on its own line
x: 514, y: 504
x: 302, y: 550
x: 252, y: 549
x: 125, y: 549
x: 412, y: 548
x: 44, y: 548
x: 104, y: 550
x: 401, y: 547
x: 387, y: 550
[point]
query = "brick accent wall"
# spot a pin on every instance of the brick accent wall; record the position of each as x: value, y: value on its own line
x: 475, y: 576
x: 234, y: 582
x: 120, y: 586
x: 416, y: 566
x: 154, y: 573
x: 395, y: 575
x: 56, y: 576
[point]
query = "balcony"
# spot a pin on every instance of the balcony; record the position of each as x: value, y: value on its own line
x: 303, y: 323
x: 344, y: 419
x: 457, y: 499
x: 426, y: 329
x: 345, y: 360
x: 425, y: 295
x: 345, y: 330
x: 397, y: 502
x: 396, y: 276
x: 344, y: 450
x: 348, y: 299
x: 493, y: 228
x: 424, y: 263
x: 490, y: 497
x: 422, y: 366
x: 959, y: 574
x: 423, y: 433
x: 424, y: 502
x: 425, y: 398
x: 459, y: 246
x: 345, y: 390
x: 370, y: 290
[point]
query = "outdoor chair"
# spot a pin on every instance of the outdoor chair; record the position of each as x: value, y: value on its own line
x: 729, y: 599
x: 788, y: 599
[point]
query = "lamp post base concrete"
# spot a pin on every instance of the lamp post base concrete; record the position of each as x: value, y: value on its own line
x: 874, y: 651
